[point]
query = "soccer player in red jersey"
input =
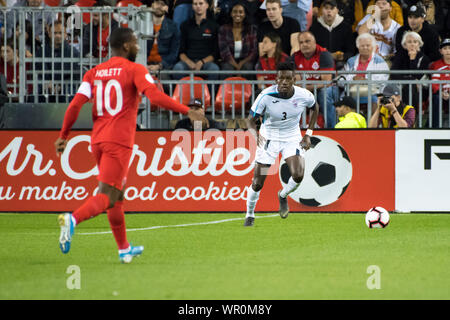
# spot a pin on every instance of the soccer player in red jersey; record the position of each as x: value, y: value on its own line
x: 115, y: 87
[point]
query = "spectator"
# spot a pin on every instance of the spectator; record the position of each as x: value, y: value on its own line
x: 417, y: 23
x: 255, y: 14
x: 58, y: 78
x: 96, y: 36
x: 182, y: 12
x: 346, y: 10
x: 196, y: 104
x: 396, y: 13
x: 441, y: 65
x: 348, y: 118
x: 382, y: 27
x: 272, y: 55
x: 295, y: 9
x: 199, y: 47
x: 238, y: 44
x: 334, y: 34
x: 162, y: 49
x: 29, y: 45
x: 412, y: 58
x: 361, y: 7
x: 366, y: 60
x: 39, y: 19
x: 312, y: 57
x: 287, y: 28
x: 9, y: 65
x: 434, y: 11
x: 391, y: 111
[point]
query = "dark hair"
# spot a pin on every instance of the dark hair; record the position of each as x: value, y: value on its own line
x: 246, y: 21
x: 274, y: 1
x: 275, y: 38
x: 120, y: 36
x: 286, y: 65
x: 12, y: 43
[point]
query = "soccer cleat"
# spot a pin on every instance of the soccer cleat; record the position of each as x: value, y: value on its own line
x: 284, y: 208
x: 249, y: 221
x: 126, y: 257
x: 67, y: 228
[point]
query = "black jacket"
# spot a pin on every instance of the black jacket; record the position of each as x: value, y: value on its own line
x: 340, y: 38
x: 430, y: 38
x: 403, y: 62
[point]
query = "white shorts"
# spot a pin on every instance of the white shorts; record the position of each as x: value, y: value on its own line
x: 268, y: 151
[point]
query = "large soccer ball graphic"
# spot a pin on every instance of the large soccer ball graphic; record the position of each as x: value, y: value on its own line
x: 328, y: 172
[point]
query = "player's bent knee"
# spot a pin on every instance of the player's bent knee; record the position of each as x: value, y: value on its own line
x: 257, y: 186
x: 297, y: 177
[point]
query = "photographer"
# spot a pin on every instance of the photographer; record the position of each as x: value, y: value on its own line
x: 391, y: 111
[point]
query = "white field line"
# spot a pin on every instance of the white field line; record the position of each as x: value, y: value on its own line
x: 178, y: 225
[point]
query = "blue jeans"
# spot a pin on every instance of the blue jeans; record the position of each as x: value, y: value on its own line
x: 209, y: 66
x: 330, y: 95
x: 293, y: 11
x: 181, y: 13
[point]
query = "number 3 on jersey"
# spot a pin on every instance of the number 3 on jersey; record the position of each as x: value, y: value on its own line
x: 104, y: 97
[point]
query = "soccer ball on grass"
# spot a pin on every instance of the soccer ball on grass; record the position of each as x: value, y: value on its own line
x: 377, y: 217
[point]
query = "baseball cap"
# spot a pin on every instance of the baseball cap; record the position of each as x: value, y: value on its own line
x: 390, y: 90
x: 195, y: 103
x: 445, y: 42
x: 416, y: 11
x: 346, y: 101
x: 332, y: 3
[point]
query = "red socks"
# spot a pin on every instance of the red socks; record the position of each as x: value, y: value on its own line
x: 116, y: 217
x: 91, y: 208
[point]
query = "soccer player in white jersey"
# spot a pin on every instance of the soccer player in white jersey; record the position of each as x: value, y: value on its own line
x: 280, y: 108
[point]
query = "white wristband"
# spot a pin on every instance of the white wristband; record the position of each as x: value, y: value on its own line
x: 309, y: 132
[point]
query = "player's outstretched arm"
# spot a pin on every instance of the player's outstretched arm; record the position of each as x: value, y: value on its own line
x: 161, y: 99
x: 70, y: 117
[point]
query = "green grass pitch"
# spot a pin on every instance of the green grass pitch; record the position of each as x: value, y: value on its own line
x: 307, y: 256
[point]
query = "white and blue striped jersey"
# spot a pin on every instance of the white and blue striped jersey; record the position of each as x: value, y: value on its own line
x: 281, y: 117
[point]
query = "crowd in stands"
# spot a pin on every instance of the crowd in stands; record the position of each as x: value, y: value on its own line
x: 239, y: 35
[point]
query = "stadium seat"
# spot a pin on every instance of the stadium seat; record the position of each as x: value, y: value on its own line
x: 182, y: 92
x: 124, y: 4
x: 226, y: 93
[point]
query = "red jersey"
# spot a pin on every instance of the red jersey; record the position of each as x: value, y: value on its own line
x: 267, y: 64
x: 115, y: 87
x: 321, y: 60
x: 103, y: 42
x: 440, y: 65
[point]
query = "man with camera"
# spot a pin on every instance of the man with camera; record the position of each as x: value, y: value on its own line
x: 391, y: 111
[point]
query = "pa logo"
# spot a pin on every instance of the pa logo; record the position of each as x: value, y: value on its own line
x: 328, y: 172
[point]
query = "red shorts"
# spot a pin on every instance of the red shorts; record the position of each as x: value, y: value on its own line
x: 112, y: 162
